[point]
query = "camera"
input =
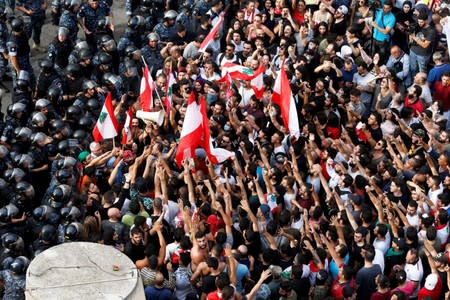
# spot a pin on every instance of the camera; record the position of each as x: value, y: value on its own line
x: 412, y: 28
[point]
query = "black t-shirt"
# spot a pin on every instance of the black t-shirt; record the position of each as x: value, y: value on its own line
x: 209, y: 284
x: 365, y: 280
x: 339, y: 28
x: 424, y: 34
x: 134, y: 252
x: 376, y: 133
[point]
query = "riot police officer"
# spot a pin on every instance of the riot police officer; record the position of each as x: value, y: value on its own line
x: 166, y: 29
x: 4, y: 34
x: 69, y: 18
x: 19, y: 51
x: 88, y: 16
x: 72, y: 84
x: 46, y: 78
x: 108, y: 45
x: 60, y: 48
x: 34, y: 11
x: 16, y: 118
x: 14, y: 278
x: 133, y: 35
x: 39, y: 175
x: 152, y: 53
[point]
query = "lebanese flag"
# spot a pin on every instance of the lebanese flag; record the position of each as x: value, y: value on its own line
x: 192, y: 132
x: 107, y: 126
x: 257, y: 85
x: 126, y: 131
x: 147, y: 88
x: 282, y: 96
x: 169, y: 91
x: 229, y: 82
x: 242, y: 73
x: 215, y: 155
x: 210, y: 37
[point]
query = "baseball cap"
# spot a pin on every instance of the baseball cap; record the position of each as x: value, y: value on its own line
x: 431, y: 281
x: 83, y: 155
x: 343, y: 9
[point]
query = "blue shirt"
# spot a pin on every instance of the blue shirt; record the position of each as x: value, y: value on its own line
x: 435, y: 73
x: 334, y: 268
x: 383, y: 21
x: 154, y: 293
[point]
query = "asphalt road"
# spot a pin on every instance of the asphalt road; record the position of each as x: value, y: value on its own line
x: 49, y: 32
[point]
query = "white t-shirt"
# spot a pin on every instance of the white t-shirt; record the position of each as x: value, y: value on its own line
x: 382, y: 245
x: 414, y: 273
x: 379, y: 259
x: 442, y: 234
x: 287, y: 200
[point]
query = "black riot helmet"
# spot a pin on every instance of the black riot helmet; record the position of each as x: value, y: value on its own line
x: 70, y: 214
x: 85, y: 123
x: 48, y: 233
x: 73, y: 231
x: 103, y: 23
x: 12, y: 241
x: 19, y: 265
x: 46, y: 66
x: 136, y: 22
x: 73, y: 112
x: 38, y: 120
x: 40, y: 213
x: 41, y: 104
x: 54, y: 93
x: 25, y: 189
x: 63, y: 147
x: 104, y: 58
x: 88, y: 84
x: 56, y: 125
x: 73, y: 70
x: 23, y: 134
x: 85, y: 54
x: 93, y: 105
x: 17, y: 25
x: 62, y: 176
x: 80, y: 135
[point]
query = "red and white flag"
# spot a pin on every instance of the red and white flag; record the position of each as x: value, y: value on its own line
x: 147, y: 88
x: 169, y: 90
x: 107, y: 126
x: 210, y: 37
x: 240, y: 72
x: 126, y: 131
x: 192, y: 132
x: 215, y: 155
x: 257, y: 85
x: 282, y: 96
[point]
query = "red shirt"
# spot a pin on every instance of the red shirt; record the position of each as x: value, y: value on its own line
x: 434, y: 294
x: 417, y: 106
x: 442, y: 94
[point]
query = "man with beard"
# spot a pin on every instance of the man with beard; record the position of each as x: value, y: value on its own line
x: 199, y: 251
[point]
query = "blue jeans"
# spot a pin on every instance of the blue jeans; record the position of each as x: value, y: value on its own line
x: 418, y: 63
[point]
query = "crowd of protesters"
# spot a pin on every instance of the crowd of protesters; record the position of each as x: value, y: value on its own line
x: 356, y: 207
